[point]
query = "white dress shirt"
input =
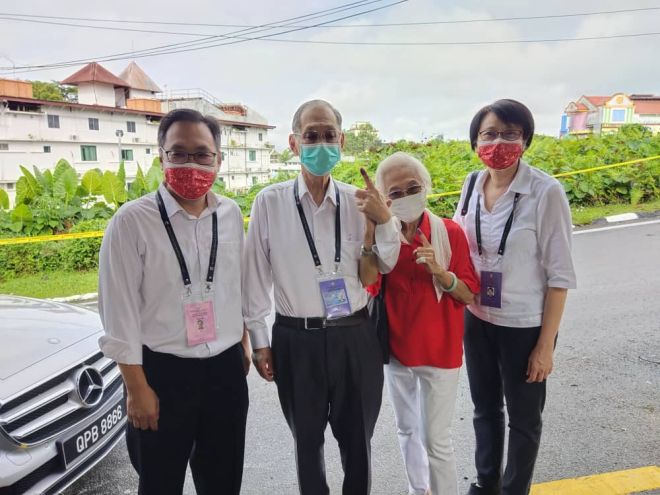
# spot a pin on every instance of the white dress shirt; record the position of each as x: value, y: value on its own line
x: 538, y: 250
x: 277, y: 253
x: 140, y: 284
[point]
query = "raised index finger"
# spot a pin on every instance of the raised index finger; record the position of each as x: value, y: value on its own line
x: 425, y: 241
x: 367, y: 179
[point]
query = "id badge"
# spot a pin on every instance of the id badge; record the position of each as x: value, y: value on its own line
x: 491, y: 289
x: 335, y: 296
x: 199, y: 317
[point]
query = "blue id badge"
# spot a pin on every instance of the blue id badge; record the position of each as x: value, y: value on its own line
x: 335, y: 297
x: 491, y: 289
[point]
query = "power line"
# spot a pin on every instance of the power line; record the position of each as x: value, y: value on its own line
x: 414, y: 23
x: 188, y: 46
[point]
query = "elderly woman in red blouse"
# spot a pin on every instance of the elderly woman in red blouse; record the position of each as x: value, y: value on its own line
x: 424, y: 298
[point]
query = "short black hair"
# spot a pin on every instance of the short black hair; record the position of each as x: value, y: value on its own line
x: 187, y: 115
x: 509, y: 112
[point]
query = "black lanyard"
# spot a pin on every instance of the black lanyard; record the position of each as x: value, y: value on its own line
x: 507, y: 227
x: 177, y: 249
x: 308, y: 232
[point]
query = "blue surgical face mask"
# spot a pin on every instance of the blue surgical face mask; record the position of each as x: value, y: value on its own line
x: 319, y: 159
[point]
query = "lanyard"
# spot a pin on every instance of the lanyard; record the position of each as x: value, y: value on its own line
x: 177, y: 249
x: 507, y: 226
x: 308, y: 232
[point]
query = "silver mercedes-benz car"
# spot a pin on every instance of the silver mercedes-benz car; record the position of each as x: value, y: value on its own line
x: 62, y: 406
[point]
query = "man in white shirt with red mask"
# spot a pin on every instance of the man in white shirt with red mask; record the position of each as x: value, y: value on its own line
x: 307, y: 240
x: 170, y: 303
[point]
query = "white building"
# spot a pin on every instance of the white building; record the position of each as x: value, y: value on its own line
x: 115, y: 119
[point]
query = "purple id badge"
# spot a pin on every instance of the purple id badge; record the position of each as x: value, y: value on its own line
x: 335, y: 297
x: 491, y: 289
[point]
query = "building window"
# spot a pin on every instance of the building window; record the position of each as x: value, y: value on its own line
x: 221, y: 179
x: 127, y: 155
x: 232, y: 177
x: 130, y: 126
x: 254, y: 180
x: 9, y: 186
x: 88, y: 153
x: 261, y: 136
x: 93, y: 124
x: 253, y: 155
x: 4, y: 146
x: 223, y: 156
x: 54, y: 121
x: 46, y: 149
x: 618, y: 115
x: 148, y: 151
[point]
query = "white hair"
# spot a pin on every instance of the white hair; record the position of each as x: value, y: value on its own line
x: 401, y: 159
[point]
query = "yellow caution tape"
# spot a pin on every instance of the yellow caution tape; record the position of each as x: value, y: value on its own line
x: 86, y: 235
x: 565, y: 174
x: 48, y: 238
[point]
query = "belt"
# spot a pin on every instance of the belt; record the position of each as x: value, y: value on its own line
x: 356, y: 318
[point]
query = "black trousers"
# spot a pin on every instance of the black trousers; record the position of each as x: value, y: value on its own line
x: 336, y: 375
x: 496, y: 359
x: 203, y: 410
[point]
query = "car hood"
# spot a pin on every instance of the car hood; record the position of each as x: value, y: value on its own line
x: 33, y: 330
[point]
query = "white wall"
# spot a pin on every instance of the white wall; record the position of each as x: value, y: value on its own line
x: 26, y: 135
x: 96, y: 94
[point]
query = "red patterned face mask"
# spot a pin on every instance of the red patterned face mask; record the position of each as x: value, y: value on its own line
x: 190, y: 181
x: 500, y: 155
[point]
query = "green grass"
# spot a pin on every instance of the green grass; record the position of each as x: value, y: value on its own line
x: 52, y: 284
x: 586, y: 215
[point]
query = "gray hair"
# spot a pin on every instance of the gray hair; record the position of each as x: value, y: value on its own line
x: 401, y: 159
x: 295, y: 124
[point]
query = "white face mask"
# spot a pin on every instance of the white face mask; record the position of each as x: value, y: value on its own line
x: 409, y: 208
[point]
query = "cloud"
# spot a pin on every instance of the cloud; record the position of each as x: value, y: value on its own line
x: 406, y: 92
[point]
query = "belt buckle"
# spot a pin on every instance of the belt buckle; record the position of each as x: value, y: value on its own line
x: 323, y: 323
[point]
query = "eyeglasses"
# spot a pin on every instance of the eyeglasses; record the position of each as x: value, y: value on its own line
x: 398, y: 193
x: 508, y: 135
x: 313, y: 137
x: 181, y: 157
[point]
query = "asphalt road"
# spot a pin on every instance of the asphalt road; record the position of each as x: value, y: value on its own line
x: 603, y: 407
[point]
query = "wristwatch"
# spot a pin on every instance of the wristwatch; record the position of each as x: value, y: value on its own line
x: 366, y: 252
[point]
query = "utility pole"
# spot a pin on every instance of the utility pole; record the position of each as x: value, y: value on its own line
x: 119, y: 133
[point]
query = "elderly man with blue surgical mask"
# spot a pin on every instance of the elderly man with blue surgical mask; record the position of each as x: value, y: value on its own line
x: 308, y: 240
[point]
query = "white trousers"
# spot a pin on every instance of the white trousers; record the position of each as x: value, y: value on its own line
x: 423, y: 399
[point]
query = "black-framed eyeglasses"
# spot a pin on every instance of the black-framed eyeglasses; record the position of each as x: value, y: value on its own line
x: 398, y: 193
x: 508, y: 135
x: 312, y: 137
x: 180, y: 157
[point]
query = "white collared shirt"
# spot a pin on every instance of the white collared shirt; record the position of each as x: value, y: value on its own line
x: 140, y: 282
x: 277, y: 253
x: 538, y: 249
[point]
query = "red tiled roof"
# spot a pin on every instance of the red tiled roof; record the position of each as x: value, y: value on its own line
x: 647, y: 107
x: 136, y: 78
x: 94, y: 72
x: 100, y: 108
x: 598, y: 100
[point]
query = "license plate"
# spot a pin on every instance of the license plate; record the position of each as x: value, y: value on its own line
x: 78, y: 444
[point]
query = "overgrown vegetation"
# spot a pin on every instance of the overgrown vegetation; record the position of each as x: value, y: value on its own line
x: 58, y: 201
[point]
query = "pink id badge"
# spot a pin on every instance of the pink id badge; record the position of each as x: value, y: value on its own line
x: 200, y: 321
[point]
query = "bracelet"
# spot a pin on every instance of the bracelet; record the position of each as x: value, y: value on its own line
x: 454, y: 283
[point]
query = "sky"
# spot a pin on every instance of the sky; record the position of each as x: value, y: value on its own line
x: 409, y: 92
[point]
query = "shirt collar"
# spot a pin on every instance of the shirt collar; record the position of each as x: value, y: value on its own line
x: 172, y: 206
x: 521, y: 182
x: 329, y: 193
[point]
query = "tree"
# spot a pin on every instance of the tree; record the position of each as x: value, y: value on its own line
x: 285, y: 155
x: 53, y: 91
x: 361, y: 138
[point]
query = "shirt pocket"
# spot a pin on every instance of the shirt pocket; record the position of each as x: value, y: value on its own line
x: 350, y: 257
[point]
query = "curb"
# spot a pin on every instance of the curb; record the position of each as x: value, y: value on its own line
x: 77, y: 298
x: 623, y: 217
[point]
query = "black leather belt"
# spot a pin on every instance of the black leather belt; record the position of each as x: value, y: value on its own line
x: 356, y: 318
